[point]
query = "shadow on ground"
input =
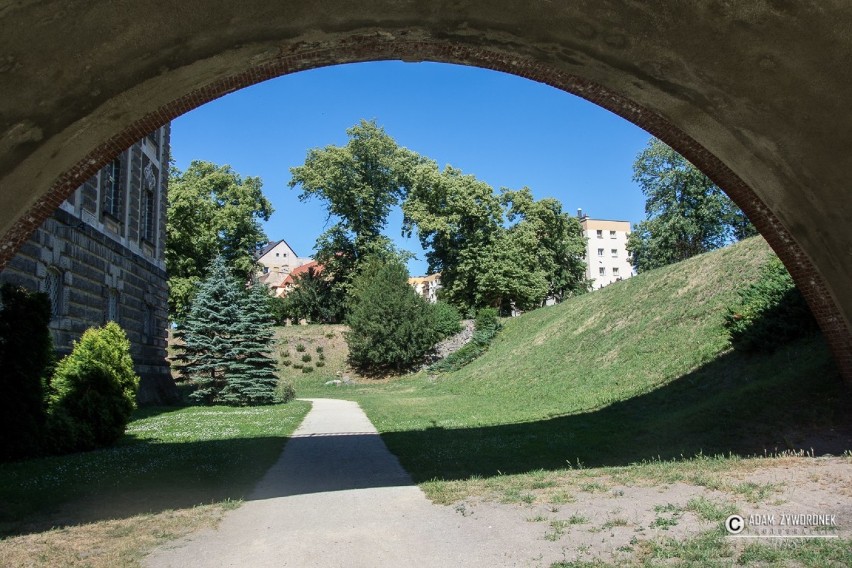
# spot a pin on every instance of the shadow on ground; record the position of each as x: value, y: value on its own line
x: 734, y: 404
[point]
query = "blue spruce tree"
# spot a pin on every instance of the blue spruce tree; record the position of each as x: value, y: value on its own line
x: 209, y: 333
x: 227, y: 338
x: 253, y: 379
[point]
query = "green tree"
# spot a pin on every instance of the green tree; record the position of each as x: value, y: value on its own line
x: 26, y: 358
x: 313, y: 298
x: 226, y: 341
x: 253, y: 379
x: 458, y: 220
x: 390, y: 326
x: 685, y: 213
x: 505, y: 251
x: 359, y: 183
x: 212, y: 211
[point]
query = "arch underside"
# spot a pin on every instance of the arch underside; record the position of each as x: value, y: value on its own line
x: 754, y: 95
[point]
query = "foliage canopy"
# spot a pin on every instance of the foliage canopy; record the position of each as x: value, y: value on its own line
x: 685, y: 213
x: 212, y: 211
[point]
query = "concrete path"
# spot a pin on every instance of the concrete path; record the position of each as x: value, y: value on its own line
x: 338, y: 497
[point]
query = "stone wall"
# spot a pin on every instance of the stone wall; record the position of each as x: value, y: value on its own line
x: 100, y: 257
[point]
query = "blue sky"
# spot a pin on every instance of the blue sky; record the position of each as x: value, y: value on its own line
x: 509, y: 132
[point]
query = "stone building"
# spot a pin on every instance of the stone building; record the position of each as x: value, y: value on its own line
x: 100, y: 257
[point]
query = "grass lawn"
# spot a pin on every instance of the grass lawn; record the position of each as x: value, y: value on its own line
x: 634, y: 384
x: 630, y: 386
x: 175, y: 470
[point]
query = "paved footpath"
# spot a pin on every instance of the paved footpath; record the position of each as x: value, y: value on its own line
x: 338, y: 497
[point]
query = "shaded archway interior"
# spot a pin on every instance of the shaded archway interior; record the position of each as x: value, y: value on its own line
x: 119, y: 133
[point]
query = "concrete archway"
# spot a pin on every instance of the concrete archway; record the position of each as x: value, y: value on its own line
x: 754, y: 93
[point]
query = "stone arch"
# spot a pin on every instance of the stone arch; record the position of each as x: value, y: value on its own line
x: 742, y: 91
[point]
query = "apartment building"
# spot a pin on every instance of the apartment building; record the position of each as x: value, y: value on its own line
x: 607, y: 260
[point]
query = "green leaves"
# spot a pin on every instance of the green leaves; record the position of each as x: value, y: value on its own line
x: 359, y: 184
x: 212, y: 211
x: 503, y: 250
x: 686, y: 213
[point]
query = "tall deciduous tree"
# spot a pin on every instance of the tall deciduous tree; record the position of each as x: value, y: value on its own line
x: 212, y: 211
x: 359, y: 183
x: 502, y: 250
x: 685, y: 213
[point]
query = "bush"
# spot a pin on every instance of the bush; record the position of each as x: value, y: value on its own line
x: 286, y: 362
x: 390, y: 326
x: 320, y: 364
x: 93, y: 391
x: 319, y: 349
x: 26, y: 358
x: 306, y: 358
x: 486, y: 326
x: 300, y: 347
x: 770, y: 312
x: 447, y: 319
x: 307, y: 369
x: 285, y: 391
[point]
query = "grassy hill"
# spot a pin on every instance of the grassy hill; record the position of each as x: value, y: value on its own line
x: 639, y: 370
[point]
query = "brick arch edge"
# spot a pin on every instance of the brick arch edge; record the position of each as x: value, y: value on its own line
x: 376, y: 48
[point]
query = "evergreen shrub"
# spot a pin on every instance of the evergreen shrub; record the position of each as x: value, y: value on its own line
x: 93, y: 392
x: 26, y: 359
x: 770, y: 312
x: 390, y: 326
x: 285, y: 391
x: 486, y: 326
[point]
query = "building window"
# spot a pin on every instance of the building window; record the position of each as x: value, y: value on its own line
x: 148, y: 215
x: 615, y: 271
x: 600, y: 252
x: 602, y: 271
x: 149, y: 324
x: 612, y: 234
x: 149, y: 203
x: 599, y: 233
x: 53, y: 289
x: 111, y: 188
x: 112, y: 305
x: 614, y: 253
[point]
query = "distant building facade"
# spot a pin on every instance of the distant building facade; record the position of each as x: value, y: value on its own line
x: 277, y: 262
x: 607, y: 260
x: 101, y: 257
x: 427, y: 286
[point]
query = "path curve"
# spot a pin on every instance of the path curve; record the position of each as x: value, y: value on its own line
x: 338, y: 497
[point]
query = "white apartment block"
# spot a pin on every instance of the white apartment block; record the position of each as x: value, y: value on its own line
x: 607, y: 260
x: 427, y: 286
